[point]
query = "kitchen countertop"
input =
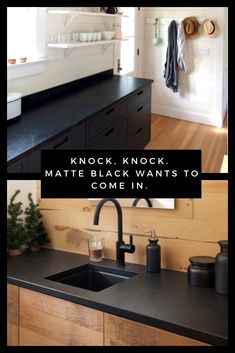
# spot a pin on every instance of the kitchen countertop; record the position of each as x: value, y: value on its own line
x: 54, y: 116
x: 164, y: 300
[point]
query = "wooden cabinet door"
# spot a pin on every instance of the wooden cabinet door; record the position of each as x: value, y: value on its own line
x: 122, y: 332
x: 12, y: 315
x: 49, y: 321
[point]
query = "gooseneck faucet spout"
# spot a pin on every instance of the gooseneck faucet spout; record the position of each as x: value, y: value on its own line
x: 146, y: 199
x: 121, y: 247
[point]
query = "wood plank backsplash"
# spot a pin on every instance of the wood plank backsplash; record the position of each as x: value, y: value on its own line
x: 193, y: 228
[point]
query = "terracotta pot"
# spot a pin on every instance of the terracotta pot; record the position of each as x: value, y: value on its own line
x: 15, y: 252
x: 34, y: 247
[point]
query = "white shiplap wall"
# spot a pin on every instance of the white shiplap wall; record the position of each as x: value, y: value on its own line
x: 200, y: 92
x: 82, y: 62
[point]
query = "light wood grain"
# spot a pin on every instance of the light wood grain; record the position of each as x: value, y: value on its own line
x: 123, y: 332
x: 45, y: 320
x: 12, y: 315
x: 176, y: 134
x: 193, y: 228
x: 224, y: 166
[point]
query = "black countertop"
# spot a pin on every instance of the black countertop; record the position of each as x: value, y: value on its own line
x: 53, y: 116
x: 164, y: 300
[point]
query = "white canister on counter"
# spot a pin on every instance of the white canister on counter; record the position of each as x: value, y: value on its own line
x: 13, y: 105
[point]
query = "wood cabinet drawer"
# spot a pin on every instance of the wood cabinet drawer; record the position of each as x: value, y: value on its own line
x: 113, y: 138
x: 139, y: 127
x: 139, y: 97
x: 12, y: 315
x: 104, y: 120
x: 49, y: 321
x: 123, y: 332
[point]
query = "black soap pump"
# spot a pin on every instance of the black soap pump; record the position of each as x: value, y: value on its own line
x: 153, y: 254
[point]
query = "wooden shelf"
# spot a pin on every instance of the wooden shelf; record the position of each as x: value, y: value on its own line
x: 83, y: 13
x: 71, y: 45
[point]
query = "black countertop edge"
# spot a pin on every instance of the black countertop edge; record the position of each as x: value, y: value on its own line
x: 46, y: 95
x: 182, y: 331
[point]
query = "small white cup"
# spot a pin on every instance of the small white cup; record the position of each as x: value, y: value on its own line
x: 83, y: 37
x: 59, y: 37
x: 68, y: 37
x: 63, y: 37
x: 93, y: 36
x: 98, y: 36
x: 89, y: 37
x: 75, y: 36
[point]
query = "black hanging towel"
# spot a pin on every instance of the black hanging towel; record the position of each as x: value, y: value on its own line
x: 171, y: 67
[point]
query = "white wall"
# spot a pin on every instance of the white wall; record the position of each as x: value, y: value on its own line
x: 82, y: 62
x: 200, y: 96
x: 25, y: 186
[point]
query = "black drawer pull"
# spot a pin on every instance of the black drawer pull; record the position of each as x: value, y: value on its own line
x: 139, y: 130
x: 61, y: 143
x: 139, y: 93
x: 109, y: 132
x: 139, y: 109
x: 109, y: 111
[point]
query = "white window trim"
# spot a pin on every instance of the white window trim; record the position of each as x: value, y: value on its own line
x: 37, y: 66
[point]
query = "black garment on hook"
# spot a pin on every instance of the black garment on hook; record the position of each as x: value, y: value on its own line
x: 171, y: 67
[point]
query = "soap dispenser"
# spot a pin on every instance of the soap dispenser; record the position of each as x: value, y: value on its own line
x: 153, y: 254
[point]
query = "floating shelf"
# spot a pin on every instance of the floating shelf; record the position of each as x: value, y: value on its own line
x: 83, y: 13
x: 81, y: 44
x: 72, y: 45
x: 71, y: 14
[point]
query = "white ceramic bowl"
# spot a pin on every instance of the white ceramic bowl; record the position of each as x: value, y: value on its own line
x: 108, y: 35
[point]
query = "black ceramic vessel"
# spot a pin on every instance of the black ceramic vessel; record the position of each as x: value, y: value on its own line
x: 201, y: 272
x: 153, y: 255
x: 221, y: 269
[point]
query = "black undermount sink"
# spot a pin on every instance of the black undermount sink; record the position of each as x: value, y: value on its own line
x: 92, y: 277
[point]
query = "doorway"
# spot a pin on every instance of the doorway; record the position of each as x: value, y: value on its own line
x: 126, y: 53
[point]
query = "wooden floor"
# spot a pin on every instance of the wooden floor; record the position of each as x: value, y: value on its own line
x: 171, y: 133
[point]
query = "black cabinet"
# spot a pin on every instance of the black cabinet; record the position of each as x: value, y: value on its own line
x: 139, y: 127
x: 124, y: 124
x: 139, y: 97
x: 18, y: 166
x: 74, y: 138
x: 113, y: 138
x: 106, y: 119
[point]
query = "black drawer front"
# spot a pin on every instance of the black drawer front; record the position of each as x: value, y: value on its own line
x: 113, y: 138
x: 16, y: 167
x: 102, y: 121
x: 139, y: 97
x: 139, y: 127
x: 75, y: 138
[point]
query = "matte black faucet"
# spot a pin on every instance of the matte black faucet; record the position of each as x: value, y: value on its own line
x: 146, y: 199
x: 121, y: 247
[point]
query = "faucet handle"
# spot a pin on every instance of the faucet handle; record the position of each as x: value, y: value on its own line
x: 131, y: 239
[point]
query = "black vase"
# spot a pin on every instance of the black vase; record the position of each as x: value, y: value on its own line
x: 221, y: 269
x: 153, y: 255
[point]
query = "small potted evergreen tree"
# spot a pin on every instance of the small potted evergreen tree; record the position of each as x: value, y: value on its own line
x: 15, y: 229
x: 35, y: 230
